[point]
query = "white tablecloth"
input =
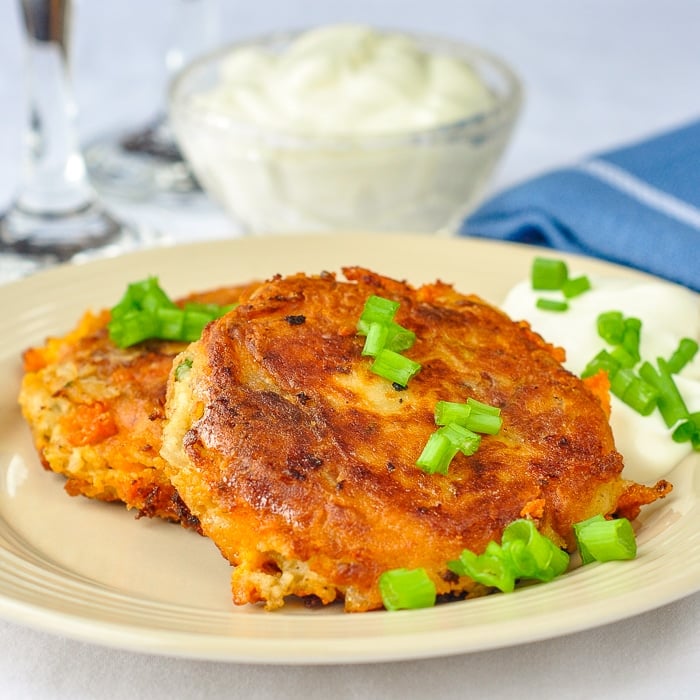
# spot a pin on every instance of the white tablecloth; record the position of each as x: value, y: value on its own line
x: 597, y: 73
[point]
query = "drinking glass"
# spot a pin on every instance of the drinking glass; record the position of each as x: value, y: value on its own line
x: 145, y: 163
x: 56, y: 214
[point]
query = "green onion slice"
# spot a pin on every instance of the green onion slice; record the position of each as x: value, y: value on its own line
x: 492, y: 568
x: 451, y: 412
x: 623, y: 357
x: 487, y: 423
x: 532, y: 554
x: 611, y: 327
x: 603, y: 360
x: 465, y: 440
x: 390, y: 335
x: 193, y: 324
x: 407, y: 589
x: 524, y: 553
x: 576, y: 286
x: 689, y: 431
x: 460, y: 424
x: 209, y: 309
x: 133, y: 327
x: 548, y: 273
x: 551, y: 304
x: 634, y: 391
x: 684, y: 432
x: 480, y: 407
x: 462, y: 413
x: 631, y: 335
x: 599, y: 539
x: 145, y: 295
x: 399, y: 338
x: 394, y: 367
x: 375, y: 340
x: 670, y: 402
x: 684, y: 353
x: 437, y: 454
x: 376, y: 310
x: 146, y: 312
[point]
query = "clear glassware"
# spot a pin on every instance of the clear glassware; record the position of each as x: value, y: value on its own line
x: 145, y: 163
x: 56, y: 215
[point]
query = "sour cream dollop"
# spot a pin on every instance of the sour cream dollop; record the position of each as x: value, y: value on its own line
x: 668, y: 313
x: 347, y: 79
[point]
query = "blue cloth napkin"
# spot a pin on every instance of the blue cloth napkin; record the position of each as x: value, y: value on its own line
x: 638, y: 206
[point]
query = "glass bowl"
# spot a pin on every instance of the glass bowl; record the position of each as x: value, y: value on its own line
x: 274, y: 180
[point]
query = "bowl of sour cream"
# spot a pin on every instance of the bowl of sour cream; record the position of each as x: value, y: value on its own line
x: 345, y: 128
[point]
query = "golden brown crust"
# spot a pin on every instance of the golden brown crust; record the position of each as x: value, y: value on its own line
x: 300, y: 462
x: 96, y: 413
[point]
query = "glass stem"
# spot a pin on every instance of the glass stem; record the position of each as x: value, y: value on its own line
x: 53, y: 180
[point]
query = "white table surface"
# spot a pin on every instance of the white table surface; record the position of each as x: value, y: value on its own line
x: 597, y: 73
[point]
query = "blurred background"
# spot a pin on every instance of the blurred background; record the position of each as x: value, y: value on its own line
x: 595, y: 73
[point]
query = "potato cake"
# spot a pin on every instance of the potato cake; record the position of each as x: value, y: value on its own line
x: 300, y: 462
x: 96, y: 413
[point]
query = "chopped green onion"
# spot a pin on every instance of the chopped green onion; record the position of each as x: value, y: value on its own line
x: 385, y: 340
x: 523, y: 553
x: 390, y: 335
x: 451, y: 412
x: 377, y: 309
x: 624, y: 333
x: 146, y: 312
x: 193, y: 325
x: 492, y: 568
x: 689, y: 431
x: 532, y: 554
x: 480, y: 407
x: 145, y: 295
x: 461, y: 423
x: 399, y: 338
x: 631, y: 336
x: 599, y: 539
x: 438, y: 453
x: 684, y: 431
x: 551, y: 304
x: 634, y: 391
x: 407, y: 589
x: 611, y: 327
x: 623, y: 357
x: 472, y: 411
x: 684, y: 353
x: 670, y: 402
x: 653, y: 386
x: 603, y: 360
x: 484, y: 423
x: 133, y: 327
x: 576, y: 286
x: 465, y: 440
x: 170, y: 323
x: 394, y: 367
x: 209, y: 309
x: 548, y: 273
x: 183, y: 368
x: 375, y: 340
x: 621, y: 381
x: 586, y: 556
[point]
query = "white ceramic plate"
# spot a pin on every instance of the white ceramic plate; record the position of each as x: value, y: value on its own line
x: 90, y: 571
